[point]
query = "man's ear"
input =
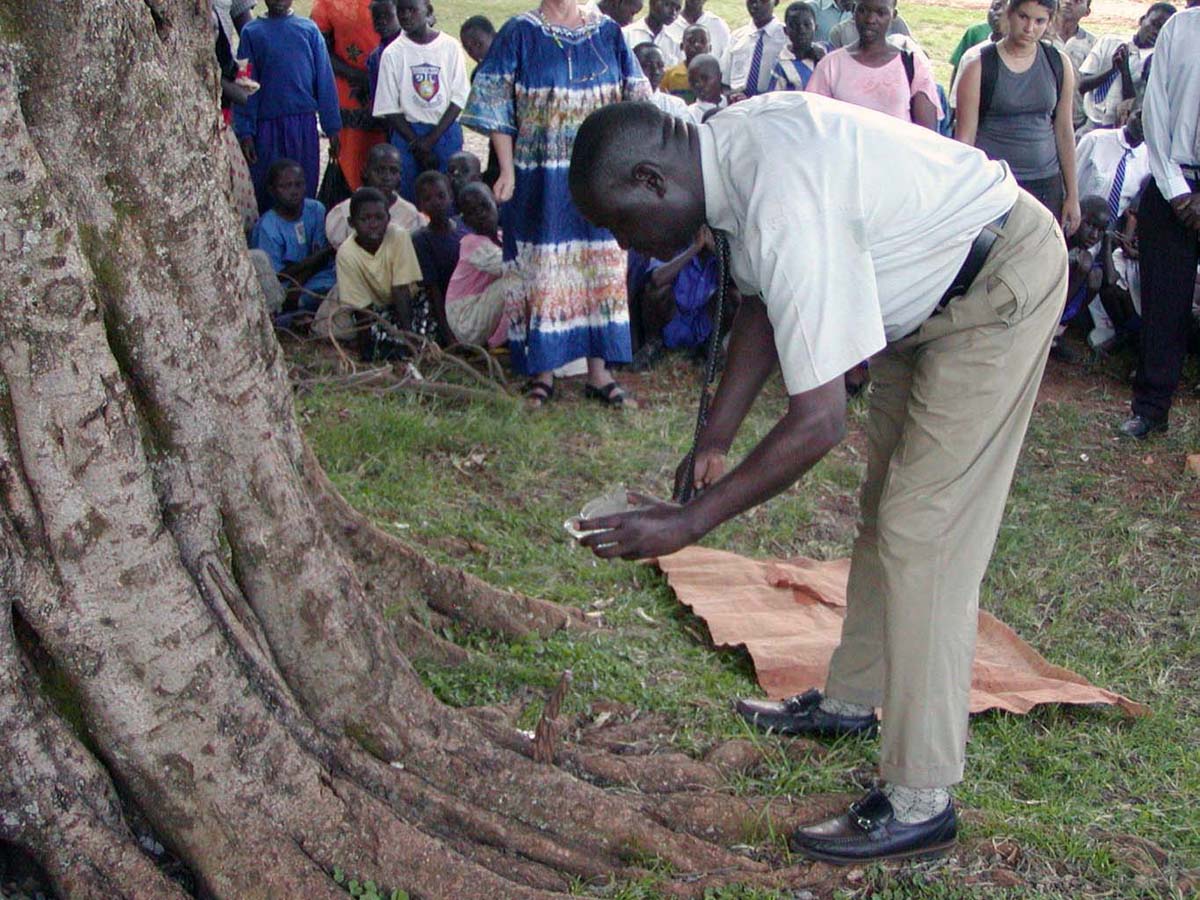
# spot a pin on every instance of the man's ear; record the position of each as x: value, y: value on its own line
x: 650, y: 175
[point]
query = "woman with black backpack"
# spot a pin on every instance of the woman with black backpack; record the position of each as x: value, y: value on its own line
x: 1015, y: 104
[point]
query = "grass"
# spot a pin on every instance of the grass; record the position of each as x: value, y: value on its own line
x: 1095, y: 565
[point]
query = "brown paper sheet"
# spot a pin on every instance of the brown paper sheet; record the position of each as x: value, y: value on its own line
x: 788, y: 615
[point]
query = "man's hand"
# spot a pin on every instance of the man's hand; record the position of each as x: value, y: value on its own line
x: 335, y: 145
x: 658, y: 530
x: 710, y: 466
x: 249, y: 151
x: 1187, y: 208
x: 1120, y: 57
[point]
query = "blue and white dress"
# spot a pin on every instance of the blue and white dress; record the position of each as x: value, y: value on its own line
x: 538, y: 83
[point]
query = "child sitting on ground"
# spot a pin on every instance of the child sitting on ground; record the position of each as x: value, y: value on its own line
x: 669, y: 302
x: 800, y: 57
x: 422, y: 88
x: 650, y: 58
x: 377, y: 270
x: 704, y: 74
x: 463, y: 168
x: 476, y: 295
x: 292, y: 235
x: 382, y: 172
x: 288, y: 57
x: 437, y: 246
x: 675, y: 79
x: 1085, y: 267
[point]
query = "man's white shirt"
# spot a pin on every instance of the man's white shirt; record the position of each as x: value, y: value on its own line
x: 889, y: 212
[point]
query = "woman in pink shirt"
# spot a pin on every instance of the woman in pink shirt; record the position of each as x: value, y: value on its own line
x: 874, y: 74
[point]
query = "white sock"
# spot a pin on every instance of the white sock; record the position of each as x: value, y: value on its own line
x: 842, y: 708
x: 913, y: 805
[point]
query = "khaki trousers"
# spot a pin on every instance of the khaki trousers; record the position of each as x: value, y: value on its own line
x: 949, y: 406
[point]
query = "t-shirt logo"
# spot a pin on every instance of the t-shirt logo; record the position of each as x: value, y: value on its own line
x: 426, y: 81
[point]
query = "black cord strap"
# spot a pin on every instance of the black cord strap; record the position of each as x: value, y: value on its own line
x: 685, y: 488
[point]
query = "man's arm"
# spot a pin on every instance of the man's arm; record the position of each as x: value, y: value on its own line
x: 815, y: 422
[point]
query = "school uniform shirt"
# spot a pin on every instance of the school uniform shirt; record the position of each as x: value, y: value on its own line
x: 739, y: 56
x: 718, y: 31
x: 828, y: 14
x: 289, y: 59
x: 639, y: 33
x: 671, y: 105
x: 892, y: 236
x: 845, y: 33
x: 1171, y: 114
x: 288, y: 242
x: 1097, y: 159
x: 700, y: 109
x: 1077, y: 50
x: 972, y: 53
x: 419, y: 81
x: 401, y: 214
x: 882, y: 88
x: 791, y: 74
x: 365, y: 279
x: 1099, y: 59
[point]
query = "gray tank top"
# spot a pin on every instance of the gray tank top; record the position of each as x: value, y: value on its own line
x: 1018, y: 127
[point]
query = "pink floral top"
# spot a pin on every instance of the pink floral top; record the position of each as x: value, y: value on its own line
x: 885, y: 89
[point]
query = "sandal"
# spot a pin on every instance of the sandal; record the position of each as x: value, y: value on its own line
x: 612, y: 394
x: 538, y: 393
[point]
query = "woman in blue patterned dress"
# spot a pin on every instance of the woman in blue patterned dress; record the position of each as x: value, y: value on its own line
x: 546, y: 70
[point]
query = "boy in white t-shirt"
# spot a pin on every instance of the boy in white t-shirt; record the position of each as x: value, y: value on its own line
x: 704, y: 75
x: 423, y: 86
x: 650, y: 58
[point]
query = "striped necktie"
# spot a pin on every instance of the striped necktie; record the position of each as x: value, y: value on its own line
x: 1100, y: 91
x: 755, y: 64
x: 1114, y: 195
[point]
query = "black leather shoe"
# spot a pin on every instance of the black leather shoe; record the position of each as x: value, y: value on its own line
x: 1141, y: 428
x: 869, y: 831
x: 802, y: 715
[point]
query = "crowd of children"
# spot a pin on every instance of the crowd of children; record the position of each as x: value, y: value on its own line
x: 418, y: 242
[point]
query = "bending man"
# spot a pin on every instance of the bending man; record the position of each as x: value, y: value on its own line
x: 924, y: 255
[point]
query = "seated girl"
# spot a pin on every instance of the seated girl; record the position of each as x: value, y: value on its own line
x: 477, y: 292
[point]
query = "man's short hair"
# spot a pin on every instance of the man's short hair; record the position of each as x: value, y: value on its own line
x: 364, y: 196
x: 611, y: 141
x: 1168, y: 8
x: 380, y: 150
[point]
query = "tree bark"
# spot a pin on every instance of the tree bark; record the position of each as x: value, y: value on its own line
x: 214, y: 609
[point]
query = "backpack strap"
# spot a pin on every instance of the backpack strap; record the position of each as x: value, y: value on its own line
x: 910, y: 67
x: 1054, y: 58
x: 989, y: 62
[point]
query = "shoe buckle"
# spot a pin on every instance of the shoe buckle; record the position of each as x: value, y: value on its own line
x: 866, y: 824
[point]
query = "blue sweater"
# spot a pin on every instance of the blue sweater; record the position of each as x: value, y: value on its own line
x: 289, y: 59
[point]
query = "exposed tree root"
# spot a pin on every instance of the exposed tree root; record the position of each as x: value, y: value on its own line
x: 394, y: 572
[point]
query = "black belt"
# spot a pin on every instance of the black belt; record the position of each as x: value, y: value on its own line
x: 976, y: 257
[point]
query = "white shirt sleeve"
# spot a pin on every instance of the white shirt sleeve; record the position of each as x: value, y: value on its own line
x: 818, y: 283
x: 1156, y: 121
x: 389, y: 89
x: 456, y: 73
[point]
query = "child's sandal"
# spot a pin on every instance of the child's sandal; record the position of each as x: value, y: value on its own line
x: 612, y: 394
x: 538, y: 393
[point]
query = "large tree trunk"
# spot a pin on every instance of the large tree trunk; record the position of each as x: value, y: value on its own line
x: 173, y: 560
